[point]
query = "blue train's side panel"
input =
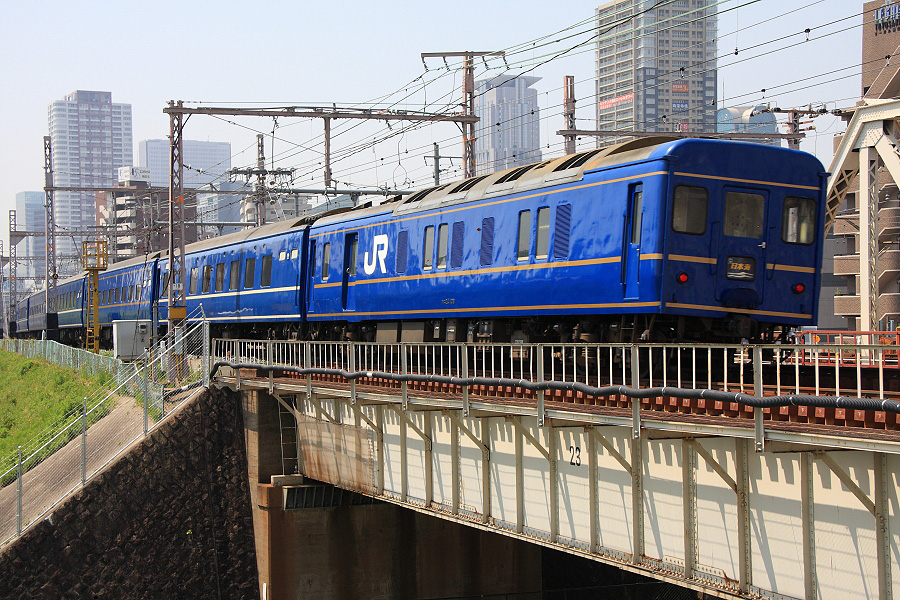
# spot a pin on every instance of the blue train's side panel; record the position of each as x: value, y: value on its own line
x: 577, y: 269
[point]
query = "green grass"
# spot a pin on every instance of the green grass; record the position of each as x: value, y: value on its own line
x: 36, y: 394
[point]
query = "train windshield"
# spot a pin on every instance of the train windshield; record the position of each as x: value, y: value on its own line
x: 743, y: 215
x: 689, y: 209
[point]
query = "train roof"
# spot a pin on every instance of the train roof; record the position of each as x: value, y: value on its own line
x: 557, y: 171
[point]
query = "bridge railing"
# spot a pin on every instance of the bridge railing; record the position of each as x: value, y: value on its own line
x: 861, y: 370
x: 45, y: 469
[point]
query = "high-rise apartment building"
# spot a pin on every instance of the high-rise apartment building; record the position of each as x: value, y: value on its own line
x: 30, y: 217
x: 90, y: 138
x: 508, y: 134
x: 204, y: 162
x: 843, y: 291
x: 656, y: 66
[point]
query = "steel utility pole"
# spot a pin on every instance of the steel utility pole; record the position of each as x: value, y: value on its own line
x: 261, y: 193
x: 13, y: 291
x: 436, y: 157
x: 569, y: 112
x: 177, y: 301
x: 468, y: 101
x: 49, y: 229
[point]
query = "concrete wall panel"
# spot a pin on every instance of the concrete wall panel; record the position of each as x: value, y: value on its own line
x: 775, y: 523
x: 663, y: 511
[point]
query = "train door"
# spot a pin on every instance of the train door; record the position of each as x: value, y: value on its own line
x: 351, y: 247
x: 631, y: 242
x: 741, y: 252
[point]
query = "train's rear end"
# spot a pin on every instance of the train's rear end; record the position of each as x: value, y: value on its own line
x: 744, y: 238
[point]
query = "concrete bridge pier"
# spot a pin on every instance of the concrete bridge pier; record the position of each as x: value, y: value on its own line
x: 343, y: 549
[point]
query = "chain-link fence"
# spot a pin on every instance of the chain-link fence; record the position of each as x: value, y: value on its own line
x: 69, y: 452
x: 64, y: 356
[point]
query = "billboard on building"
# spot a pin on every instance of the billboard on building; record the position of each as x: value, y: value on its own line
x: 604, y: 104
x: 681, y: 86
x: 680, y: 106
x: 134, y: 174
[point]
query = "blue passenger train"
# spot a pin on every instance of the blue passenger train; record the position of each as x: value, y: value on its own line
x: 653, y: 239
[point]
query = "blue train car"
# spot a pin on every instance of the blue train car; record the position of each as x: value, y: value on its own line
x: 71, y: 313
x: 675, y: 240
x: 247, y: 283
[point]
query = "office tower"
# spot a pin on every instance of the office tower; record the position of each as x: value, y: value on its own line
x: 656, y: 67
x: 508, y: 133
x: 90, y: 138
x: 204, y: 162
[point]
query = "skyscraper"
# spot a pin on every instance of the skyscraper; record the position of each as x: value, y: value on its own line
x: 656, y: 67
x: 30, y: 217
x: 91, y: 138
x: 204, y: 162
x: 748, y: 119
x: 508, y: 133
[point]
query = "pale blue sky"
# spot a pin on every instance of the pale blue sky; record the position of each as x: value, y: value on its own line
x: 352, y: 52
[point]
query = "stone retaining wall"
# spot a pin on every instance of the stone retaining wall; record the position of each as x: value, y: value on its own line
x: 170, y: 519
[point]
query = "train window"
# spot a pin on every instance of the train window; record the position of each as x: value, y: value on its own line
x: 326, y: 261
x: 353, y: 255
x: 562, y: 231
x: 294, y: 254
x: 456, y: 245
x: 428, y: 253
x: 636, y: 214
x: 235, y: 275
x: 282, y: 255
x: 220, y: 277
x: 487, y: 241
x: 249, y: 273
x: 116, y: 294
x: 165, y: 285
x: 265, y: 276
x: 194, y: 273
x: 542, y: 243
x: 524, y: 245
x: 689, y: 209
x: 743, y: 215
x: 402, y: 250
x: 442, y: 246
x: 207, y: 275
x: 312, y: 259
x: 798, y: 220
x: 137, y: 293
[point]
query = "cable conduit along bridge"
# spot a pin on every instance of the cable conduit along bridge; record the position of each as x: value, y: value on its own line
x: 737, y: 471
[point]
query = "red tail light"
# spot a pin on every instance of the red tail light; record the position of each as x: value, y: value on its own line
x: 682, y: 277
x: 798, y: 288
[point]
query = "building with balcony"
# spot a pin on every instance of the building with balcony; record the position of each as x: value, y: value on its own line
x: 842, y: 285
x: 90, y: 138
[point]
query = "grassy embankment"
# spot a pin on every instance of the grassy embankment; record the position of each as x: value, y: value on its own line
x: 35, y: 395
